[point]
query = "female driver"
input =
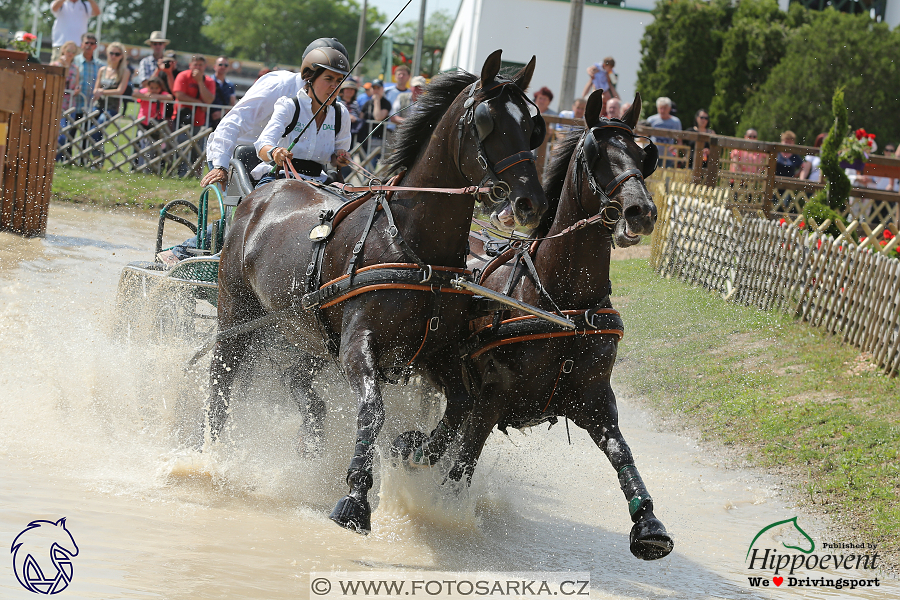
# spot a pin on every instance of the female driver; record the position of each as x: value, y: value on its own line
x: 322, y: 69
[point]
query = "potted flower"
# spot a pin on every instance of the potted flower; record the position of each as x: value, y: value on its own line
x: 855, y: 150
x: 21, y: 46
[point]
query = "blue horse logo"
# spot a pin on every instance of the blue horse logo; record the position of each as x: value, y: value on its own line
x: 42, y: 556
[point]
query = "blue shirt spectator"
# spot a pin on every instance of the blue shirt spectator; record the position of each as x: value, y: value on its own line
x: 88, y: 67
x: 664, y: 119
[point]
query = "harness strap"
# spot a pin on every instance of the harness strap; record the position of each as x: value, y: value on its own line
x: 603, y: 321
x: 513, y: 160
x: 379, y: 277
x: 470, y: 190
x: 357, y: 249
x: 395, y: 236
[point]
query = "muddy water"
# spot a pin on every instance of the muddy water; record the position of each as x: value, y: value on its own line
x: 96, y: 430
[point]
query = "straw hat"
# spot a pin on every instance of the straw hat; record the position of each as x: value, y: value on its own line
x: 156, y: 36
x: 417, y: 81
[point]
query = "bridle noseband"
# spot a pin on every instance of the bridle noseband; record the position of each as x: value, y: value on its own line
x: 587, y: 153
x: 480, y: 124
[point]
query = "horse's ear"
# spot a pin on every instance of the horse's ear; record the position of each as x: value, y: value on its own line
x: 523, y: 78
x: 594, y: 108
x: 491, y: 67
x: 634, y: 113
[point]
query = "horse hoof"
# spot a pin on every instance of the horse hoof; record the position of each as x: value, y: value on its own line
x: 407, y: 449
x: 310, y: 445
x: 649, y: 540
x: 352, y: 514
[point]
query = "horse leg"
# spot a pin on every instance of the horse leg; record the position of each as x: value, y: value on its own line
x: 475, y: 433
x: 310, y: 438
x: 227, y: 355
x: 359, y: 360
x: 414, y: 448
x: 649, y: 539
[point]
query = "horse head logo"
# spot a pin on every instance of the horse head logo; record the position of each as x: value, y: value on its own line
x: 42, y: 556
x: 812, y: 544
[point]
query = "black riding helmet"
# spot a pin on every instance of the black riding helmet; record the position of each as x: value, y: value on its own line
x: 326, y: 43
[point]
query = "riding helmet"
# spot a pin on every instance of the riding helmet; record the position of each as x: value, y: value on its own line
x: 323, y: 58
x: 325, y: 43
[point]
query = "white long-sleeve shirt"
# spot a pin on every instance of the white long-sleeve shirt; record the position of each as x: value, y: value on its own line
x: 316, y: 144
x: 247, y: 119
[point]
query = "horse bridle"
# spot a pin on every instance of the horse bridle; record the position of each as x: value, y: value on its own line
x: 587, y: 153
x: 481, y: 124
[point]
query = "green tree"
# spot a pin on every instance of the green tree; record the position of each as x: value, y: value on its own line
x: 437, y: 30
x: 279, y: 30
x: 832, y: 49
x: 134, y: 21
x: 751, y: 48
x: 679, y: 51
x: 830, y: 202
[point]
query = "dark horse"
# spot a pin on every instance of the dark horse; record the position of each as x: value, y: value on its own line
x: 465, y: 130
x: 524, y: 371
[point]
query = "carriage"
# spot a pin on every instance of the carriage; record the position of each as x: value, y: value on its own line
x: 441, y: 317
x: 163, y: 303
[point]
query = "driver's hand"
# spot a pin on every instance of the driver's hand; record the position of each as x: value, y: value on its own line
x: 214, y: 176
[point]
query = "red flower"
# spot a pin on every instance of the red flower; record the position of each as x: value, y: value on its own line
x: 869, y: 141
x: 819, y: 245
x: 782, y: 221
x: 802, y: 224
x: 888, y: 235
x: 860, y: 134
x: 871, y: 136
x: 28, y: 37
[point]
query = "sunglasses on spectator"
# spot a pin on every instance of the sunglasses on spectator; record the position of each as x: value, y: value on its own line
x: 221, y: 64
x: 751, y: 137
x: 703, y: 117
x: 157, y: 43
x: 114, y: 53
x: 89, y: 43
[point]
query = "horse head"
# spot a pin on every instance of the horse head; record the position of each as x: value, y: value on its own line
x: 36, y: 553
x: 615, y: 167
x: 506, y: 127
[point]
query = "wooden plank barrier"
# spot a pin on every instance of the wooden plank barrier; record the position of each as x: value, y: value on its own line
x: 25, y: 181
x: 845, y: 288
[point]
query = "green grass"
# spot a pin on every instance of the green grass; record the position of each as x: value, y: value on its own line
x: 110, y: 190
x: 788, y: 397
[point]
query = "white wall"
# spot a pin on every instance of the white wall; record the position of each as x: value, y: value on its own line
x: 523, y: 28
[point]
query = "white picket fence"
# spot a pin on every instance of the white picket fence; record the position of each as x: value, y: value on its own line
x: 850, y: 289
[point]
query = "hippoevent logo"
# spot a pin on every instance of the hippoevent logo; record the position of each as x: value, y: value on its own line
x: 787, y: 566
x: 42, y: 556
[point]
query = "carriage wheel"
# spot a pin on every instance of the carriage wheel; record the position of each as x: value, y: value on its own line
x: 171, y: 314
x: 131, y: 298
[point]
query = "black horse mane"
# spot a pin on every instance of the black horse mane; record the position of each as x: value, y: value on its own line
x: 415, y: 132
x: 555, y: 177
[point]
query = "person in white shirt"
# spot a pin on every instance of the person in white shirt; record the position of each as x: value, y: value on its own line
x: 245, y: 122
x: 323, y: 69
x: 71, y: 21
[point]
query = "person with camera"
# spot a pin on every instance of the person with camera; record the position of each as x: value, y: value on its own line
x: 150, y: 65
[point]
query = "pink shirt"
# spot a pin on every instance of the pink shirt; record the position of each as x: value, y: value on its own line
x: 150, y: 109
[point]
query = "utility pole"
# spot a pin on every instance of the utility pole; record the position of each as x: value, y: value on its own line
x: 420, y: 36
x: 165, y: 18
x: 570, y: 66
x: 361, y: 34
x: 99, y: 27
x: 34, y: 20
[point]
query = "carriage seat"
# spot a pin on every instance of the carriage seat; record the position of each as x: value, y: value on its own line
x: 243, y: 161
